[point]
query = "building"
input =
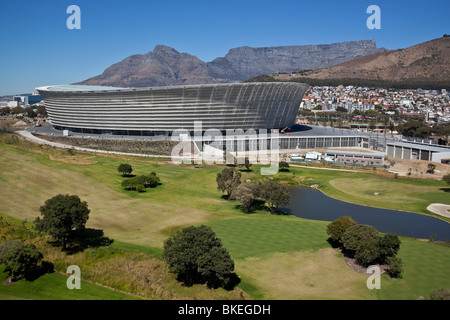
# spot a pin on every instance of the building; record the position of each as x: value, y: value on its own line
x: 361, y: 158
x: 418, y: 151
x: 28, y: 99
x: 149, y: 111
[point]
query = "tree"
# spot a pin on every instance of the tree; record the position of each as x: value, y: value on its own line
x: 446, y: 178
x: 389, y: 245
x: 359, y: 240
x: 414, y: 128
x: 275, y: 195
x: 6, y: 110
x: 125, y: 169
x: 431, y: 167
x: 337, y: 228
x: 42, y: 111
x: 19, y: 258
x: 368, y: 252
x: 196, y: 255
x: 17, y: 110
x: 228, y: 180
x: 30, y: 113
x: 284, y: 166
x: 140, y: 182
x: 246, y: 194
x: 369, y: 247
x: 395, y: 266
x: 61, y: 216
x: 216, y: 267
x: 440, y: 294
x: 247, y: 164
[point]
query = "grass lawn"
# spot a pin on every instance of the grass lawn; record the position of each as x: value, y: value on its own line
x: 277, y: 257
x: 288, y: 258
x: 426, y: 269
x: 258, y: 235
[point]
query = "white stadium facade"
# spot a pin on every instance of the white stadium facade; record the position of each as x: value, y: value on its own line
x: 149, y: 111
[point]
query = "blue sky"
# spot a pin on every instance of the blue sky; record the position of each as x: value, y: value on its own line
x: 38, y: 49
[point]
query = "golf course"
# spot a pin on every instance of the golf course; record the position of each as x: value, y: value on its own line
x: 277, y: 257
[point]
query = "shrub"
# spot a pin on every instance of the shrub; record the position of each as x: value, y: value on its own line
x: 358, y: 235
x: 140, y: 182
x: 283, y: 166
x: 19, y: 258
x: 337, y: 228
x: 440, y: 294
x: 446, y: 178
x: 389, y: 245
x: 395, y: 265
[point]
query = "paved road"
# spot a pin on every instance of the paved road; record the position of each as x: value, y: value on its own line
x: 294, y: 165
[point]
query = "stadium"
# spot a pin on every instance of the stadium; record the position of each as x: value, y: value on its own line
x: 156, y: 110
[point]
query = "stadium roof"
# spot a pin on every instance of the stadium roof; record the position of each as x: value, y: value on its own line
x: 69, y: 87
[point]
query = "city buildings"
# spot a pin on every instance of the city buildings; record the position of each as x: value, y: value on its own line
x: 432, y: 105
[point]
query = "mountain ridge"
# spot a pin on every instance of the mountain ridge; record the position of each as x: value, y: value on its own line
x: 166, y: 66
x: 421, y: 64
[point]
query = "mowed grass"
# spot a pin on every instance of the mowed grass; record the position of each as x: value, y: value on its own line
x: 426, y: 268
x: 315, y: 275
x: 282, y: 257
x: 289, y: 258
x: 261, y: 235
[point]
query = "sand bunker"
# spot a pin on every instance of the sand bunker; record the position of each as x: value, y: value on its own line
x: 440, y: 209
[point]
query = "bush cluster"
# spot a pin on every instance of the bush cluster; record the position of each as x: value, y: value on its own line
x: 20, y: 259
x: 366, y: 244
x: 274, y: 194
x: 139, y: 183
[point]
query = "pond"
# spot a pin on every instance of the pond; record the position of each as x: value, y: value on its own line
x: 312, y: 204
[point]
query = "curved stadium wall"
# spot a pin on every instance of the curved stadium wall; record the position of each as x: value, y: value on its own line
x: 141, y: 111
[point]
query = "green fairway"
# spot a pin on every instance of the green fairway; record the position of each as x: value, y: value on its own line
x: 282, y: 257
x: 279, y: 247
x: 260, y: 235
x: 426, y: 269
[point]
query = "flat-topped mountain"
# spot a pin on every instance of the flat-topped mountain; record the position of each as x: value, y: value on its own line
x: 166, y: 66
